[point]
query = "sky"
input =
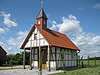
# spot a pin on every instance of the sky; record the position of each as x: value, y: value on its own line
x: 78, y: 19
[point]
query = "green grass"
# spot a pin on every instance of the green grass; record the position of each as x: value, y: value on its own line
x: 91, y: 63
x: 83, y: 71
x: 9, y: 68
x: 87, y: 70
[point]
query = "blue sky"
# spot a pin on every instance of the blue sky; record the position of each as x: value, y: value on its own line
x: 79, y: 19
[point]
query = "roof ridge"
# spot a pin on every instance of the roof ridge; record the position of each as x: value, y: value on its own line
x: 57, y: 32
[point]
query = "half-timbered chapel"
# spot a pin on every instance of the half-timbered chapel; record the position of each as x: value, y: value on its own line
x: 49, y: 45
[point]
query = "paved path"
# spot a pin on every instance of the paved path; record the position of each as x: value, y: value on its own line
x: 25, y: 72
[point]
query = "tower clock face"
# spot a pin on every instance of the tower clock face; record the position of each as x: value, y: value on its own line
x: 38, y: 22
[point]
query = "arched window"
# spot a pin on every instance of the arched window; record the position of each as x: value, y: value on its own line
x: 38, y: 22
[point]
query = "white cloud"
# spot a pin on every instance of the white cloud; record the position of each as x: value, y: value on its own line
x: 13, y: 43
x: 96, y: 6
x: 55, y: 26
x: 2, y: 31
x: 7, y: 29
x: 69, y: 25
x: 88, y: 43
x: 7, y: 48
x: 4, y: 46
x: 21, y: 35
x: 1, y: 43
x: 7, y: 20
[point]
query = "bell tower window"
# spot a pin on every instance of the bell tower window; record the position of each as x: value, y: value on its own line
x: 44, y: 22
x: 38, y: 22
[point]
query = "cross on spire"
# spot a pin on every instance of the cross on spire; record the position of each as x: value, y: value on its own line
x: 42, y: 4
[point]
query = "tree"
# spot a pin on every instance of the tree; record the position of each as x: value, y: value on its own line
x: 9, y: 58
x: 17, y: 59
x: 62, y: 59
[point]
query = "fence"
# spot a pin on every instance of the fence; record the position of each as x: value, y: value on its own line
x: 89, y: 62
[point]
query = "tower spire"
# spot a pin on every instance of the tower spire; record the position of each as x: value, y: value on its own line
x: 41, y: 14
x: 42, y: 18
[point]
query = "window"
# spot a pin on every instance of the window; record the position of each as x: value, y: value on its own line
x: 35, y: 36
x: 72, y: 54
x: 38, y: 22
x: 43, y: 22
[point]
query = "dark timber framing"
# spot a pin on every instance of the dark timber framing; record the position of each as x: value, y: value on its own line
x: 24, y: 59
x: 56, y: 56
x: 53, y: 56
x: 31, y: 58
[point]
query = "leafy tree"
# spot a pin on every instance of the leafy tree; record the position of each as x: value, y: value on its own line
x: 62, y: 59
x: 17, y: 59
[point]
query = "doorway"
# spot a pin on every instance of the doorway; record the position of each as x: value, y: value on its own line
x: 44, y: 57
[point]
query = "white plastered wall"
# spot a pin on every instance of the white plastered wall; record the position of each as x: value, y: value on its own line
x: 35, y: 42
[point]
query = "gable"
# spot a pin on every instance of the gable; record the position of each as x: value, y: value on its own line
x: 36, y: 39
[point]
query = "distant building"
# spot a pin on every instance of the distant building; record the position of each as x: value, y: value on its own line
x: 2, y: 55
x: 50, y: 44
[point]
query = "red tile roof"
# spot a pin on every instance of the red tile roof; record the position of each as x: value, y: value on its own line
x: 53, y: 38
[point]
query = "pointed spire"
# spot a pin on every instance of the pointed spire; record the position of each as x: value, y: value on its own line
x: 41, y: 15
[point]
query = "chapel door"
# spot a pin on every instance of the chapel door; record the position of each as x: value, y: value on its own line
x: 44, y: 58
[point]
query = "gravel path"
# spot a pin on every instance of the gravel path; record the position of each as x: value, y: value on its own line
x: 25, y: 72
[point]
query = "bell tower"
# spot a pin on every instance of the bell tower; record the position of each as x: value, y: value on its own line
x: 42, y: 19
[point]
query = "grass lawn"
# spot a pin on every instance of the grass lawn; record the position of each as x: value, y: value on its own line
x: 83, y: 71
x: 9, y: 67
x: 88, y: 70
x: 91, y: 63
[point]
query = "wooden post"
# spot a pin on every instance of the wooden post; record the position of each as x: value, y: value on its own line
x: 56, y: 57
x: 30, y: 58
x: 24, y: 59
x: 40, y: 65
x: 77, y: 60
x: 39, y: 62
x: 48, y: 58
x: 33, y: 58
x: 88, y: 61
x: 95, y: 61
x: 82, y: 61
